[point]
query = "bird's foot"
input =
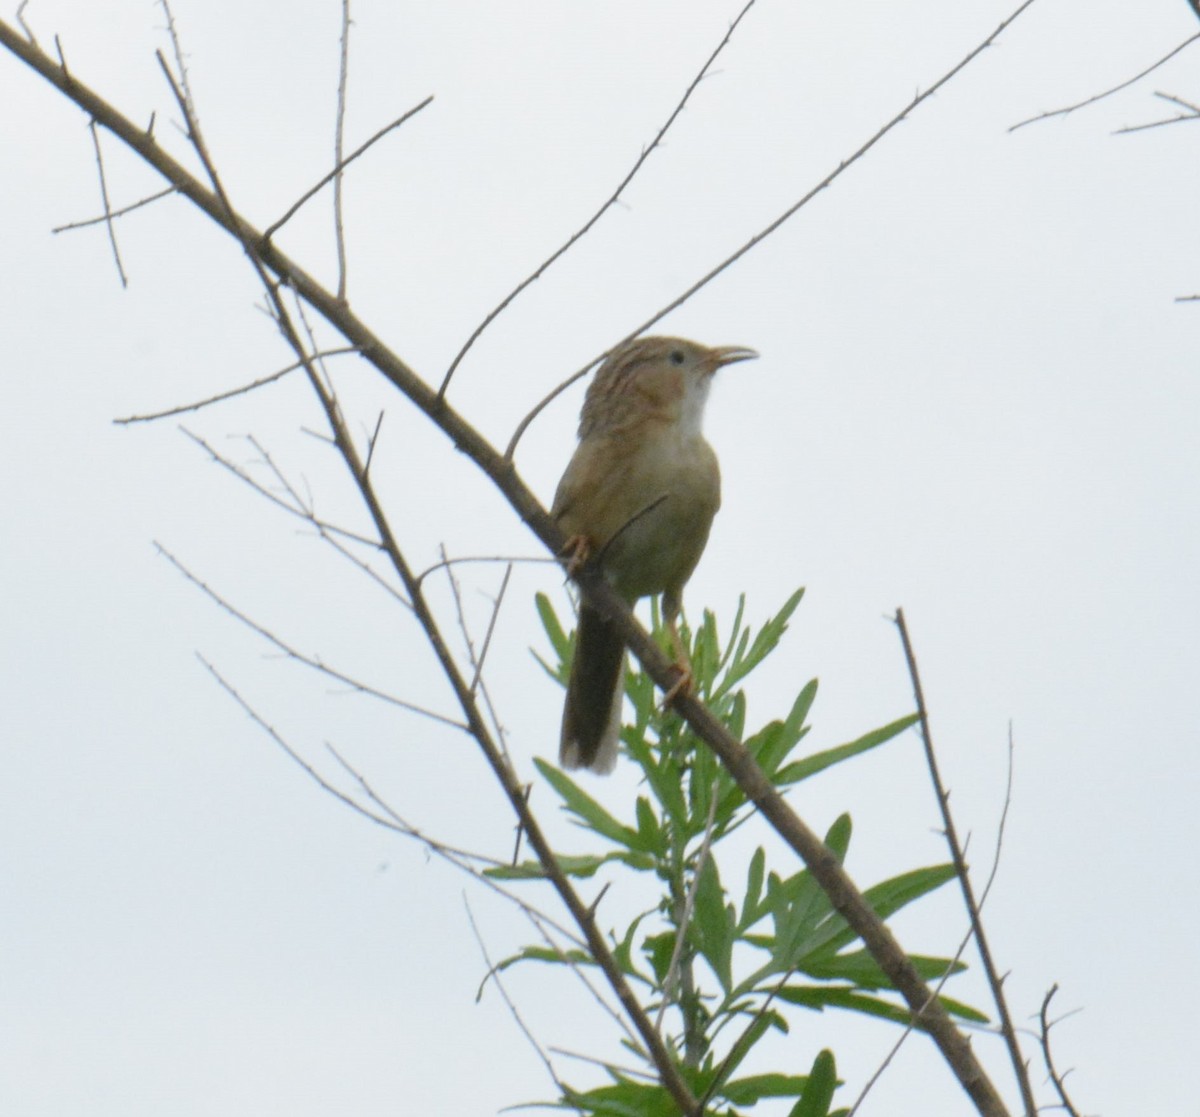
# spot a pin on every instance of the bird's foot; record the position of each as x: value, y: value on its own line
x: 682, y: 686
x: 577, y: 551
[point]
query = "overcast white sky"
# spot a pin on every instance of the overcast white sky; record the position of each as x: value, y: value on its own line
x: 977, y: 399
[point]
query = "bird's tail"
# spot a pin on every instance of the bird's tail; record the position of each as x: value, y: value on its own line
x: 592, y: 715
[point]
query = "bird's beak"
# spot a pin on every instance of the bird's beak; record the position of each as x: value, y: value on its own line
x: 730, y: 354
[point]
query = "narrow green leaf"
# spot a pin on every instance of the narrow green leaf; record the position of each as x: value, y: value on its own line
x: 736, y: 631
x: 648, y: 827
x: 559, y: 640
x: 859, y: 968
x: 810, y: 765
x: 818, y: 1090
x: 753, y: 1088
x: 594, y: 816
x: 751, y: 912
x: 712, y: 924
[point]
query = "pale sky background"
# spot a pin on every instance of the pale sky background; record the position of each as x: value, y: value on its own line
x: 977, y: 399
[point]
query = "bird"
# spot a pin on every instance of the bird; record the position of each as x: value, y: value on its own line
x: 638, y: 497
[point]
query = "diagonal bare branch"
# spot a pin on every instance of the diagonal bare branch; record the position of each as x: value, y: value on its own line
x: 591, y: 221
x: 1109, y: 92
x: 995, y: 981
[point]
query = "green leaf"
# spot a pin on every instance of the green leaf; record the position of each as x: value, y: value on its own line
x: 580, y: 867
x: 735, y: 631
x: 820, y: 997
x: 859, y: 968
x: 752, y: 1089
x: 889, y: 896
x: 746, y: 1041
x: 751, y: 911
x: 648, y: 827
x: 624, y: 1099
x: 593, y: 816
x: 810, y: 765
x: 658, y: 950
x: 764, y: 643
x: 559, y: 640
x: 818, y: 1090
x: 713, y: 924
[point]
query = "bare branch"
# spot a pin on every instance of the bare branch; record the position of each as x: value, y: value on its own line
x: 1192, y: 113
x: 446, y: 563
x: 612, y: 200
x: 292, y: 210
x: 292, y: 653
x: 339, y: 231
x: 995, y: 981
x: 220, y: 397
x: 108, y: 218
x: 962, y: 946
x: 1109, y: 92
x: 793, y: 209
x: 21, y: 20
x: 476, y: 661
x: 108, y: 215
x: 372, y: 442
x: 493, y: 975
x: 1055, y: 1077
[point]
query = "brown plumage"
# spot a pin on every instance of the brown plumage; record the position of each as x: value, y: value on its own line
x: 639, y: 494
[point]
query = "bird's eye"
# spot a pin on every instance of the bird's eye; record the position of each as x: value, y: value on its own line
x: 676, y: 357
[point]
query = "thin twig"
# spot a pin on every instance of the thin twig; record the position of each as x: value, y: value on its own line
x: 689, y: 904
x: 477, y: 661
x: 760, y: 236
x: 21, y: 20
x: 108, y: 218
x: 373, y: 441
x: 995, y: 981
x: 220, y: 397
x: 301, y: 508
x: 493, y: 975
x: 339, y: 230
x: 591, y: 221
x: 1055, y: 1077
x: 1193, y: 113
x: 108, y: 214
x: 491, y: 628
x: 465, y: 559
x: 293, y: 653
x: 1108, y: 92
x: 294, y: 208
x: 463, y: 860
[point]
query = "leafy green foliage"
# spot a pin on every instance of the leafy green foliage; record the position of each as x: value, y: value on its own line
x: 726, y: 960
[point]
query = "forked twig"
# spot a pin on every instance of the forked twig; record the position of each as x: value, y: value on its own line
x: 493, y: 975
x: 295, y: 207
x: 1108, y: 92
x: 108, y: 214
x: 962, y: 946
x: 1192, y: 113
x: 1055, y: 1077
